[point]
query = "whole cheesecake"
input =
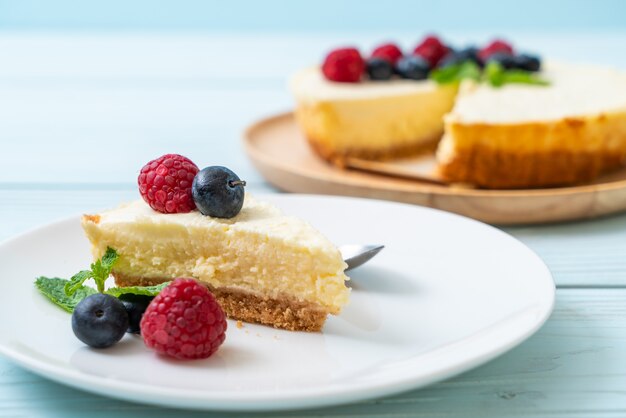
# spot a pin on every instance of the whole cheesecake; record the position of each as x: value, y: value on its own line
x: 518, y: 136
x: 514, y: 122
x: 370, y: 119
x: 261, y: 265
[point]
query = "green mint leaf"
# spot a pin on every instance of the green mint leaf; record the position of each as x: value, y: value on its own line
x: 76, y: 282
x: 137, y: 290
x: 469, y: 70
x: 494, y: 73
x: 101, y: 269
x: 445, y: 75
x: 497, y: 76
x: 523, y: 77
x: 54, y: 289
x: 456, y: 73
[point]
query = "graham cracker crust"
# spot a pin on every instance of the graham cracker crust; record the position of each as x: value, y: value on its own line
x: 496, y: 169
x: 283, y: 312
x: 338, y: 158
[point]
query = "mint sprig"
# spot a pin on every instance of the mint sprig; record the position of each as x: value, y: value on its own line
x: 54, y: 289
x: 100, y: 271
x: 493, y: 73
x: 496, y: 75
x: 137, y: 290
x: 68, y: 293
x: 466, y: 70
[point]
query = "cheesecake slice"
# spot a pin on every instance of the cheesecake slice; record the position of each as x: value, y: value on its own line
x: 261, y: 265
x: 523, y: 136
x: 370, y: 119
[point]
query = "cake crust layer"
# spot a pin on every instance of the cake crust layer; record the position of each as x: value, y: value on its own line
x: 570, y: 151
x: 338, y: 157
x: 280, y: 312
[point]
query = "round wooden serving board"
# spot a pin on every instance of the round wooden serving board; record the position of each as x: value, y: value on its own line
x: 282, y: 155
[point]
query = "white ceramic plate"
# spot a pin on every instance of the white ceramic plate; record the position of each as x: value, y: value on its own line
x: 446, y: 295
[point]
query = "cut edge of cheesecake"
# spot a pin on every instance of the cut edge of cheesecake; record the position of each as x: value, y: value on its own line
x: 369, y: 120
x: 309, y: 285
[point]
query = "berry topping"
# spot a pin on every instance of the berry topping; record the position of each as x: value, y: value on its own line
x: 379, y: 69
x: 165, y: 184
x: 497, y: 45
x: 506, y: 60
x: 99, y: 320
x: 184, y: 321
x: 460, y: 56
x: 218, y: 192
x: 343, y: 65
x: 432, y: 50
x: 389, y: 52
x: 135, y: 306
x: 413, y: 68
x: 527, y: 62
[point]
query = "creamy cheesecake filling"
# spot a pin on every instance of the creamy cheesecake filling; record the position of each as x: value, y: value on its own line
x: 260, y: 250
x: 370, y: 119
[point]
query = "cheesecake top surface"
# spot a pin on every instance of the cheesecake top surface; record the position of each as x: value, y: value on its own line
x: 310, y: 84
x: 574, y: 91
x: 255, y: 216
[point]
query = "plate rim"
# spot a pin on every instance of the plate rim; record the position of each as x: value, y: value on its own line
x: 288, y: 400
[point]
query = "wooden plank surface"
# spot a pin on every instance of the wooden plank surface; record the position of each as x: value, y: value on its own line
x: 78, y: 113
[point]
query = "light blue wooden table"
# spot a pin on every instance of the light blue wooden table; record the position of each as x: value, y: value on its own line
x: 80, y: 113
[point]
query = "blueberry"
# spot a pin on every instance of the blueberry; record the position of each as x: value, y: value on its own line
x: 135, y: 306
x: 460, y: 56
x: 218, y: 192
x: 469, y: 54
x: 413, y: 67
x: 506, y: 60
x: 527, y: 62
x: 378, y: 68
x: 99, y: 320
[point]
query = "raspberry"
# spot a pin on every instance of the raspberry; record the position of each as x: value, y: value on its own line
x: 497, y: 45
x: 343, y: 65
x: 432, y: 50
x: 390, y: 52
x: 165, y: 184
x: 184, y: 321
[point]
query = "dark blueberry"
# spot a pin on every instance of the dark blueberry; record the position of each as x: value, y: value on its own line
x: 218, y: 192
x: 99, y: 320
x: 469, y: 54
x: 378, y: 68
x: 506, y: 60
x: 135, y: 307
x: 527, y: 62
x: 460, y: 56
x: 413, y: 67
